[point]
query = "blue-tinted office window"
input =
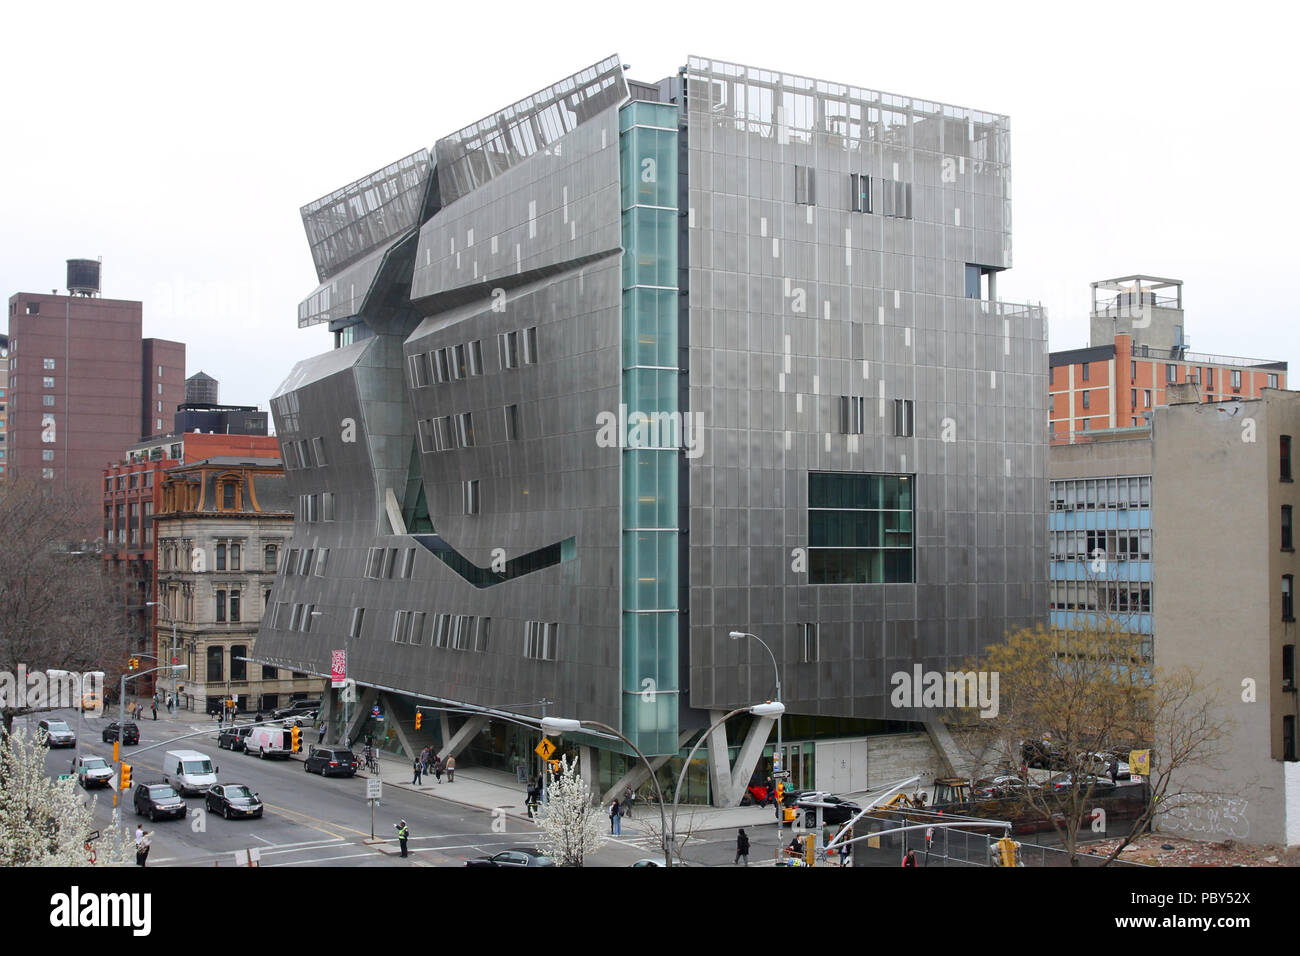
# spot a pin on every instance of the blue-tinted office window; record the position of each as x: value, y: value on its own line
x: 860, y: 528
x: 972, y: 281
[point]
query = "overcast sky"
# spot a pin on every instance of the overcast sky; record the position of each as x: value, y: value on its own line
x: 179, y: 141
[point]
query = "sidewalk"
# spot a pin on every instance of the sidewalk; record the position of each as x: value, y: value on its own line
x: 490, y: 790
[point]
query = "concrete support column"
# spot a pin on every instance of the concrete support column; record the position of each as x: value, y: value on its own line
x: 719, y: 764
x: 408, y: 746
x: 638, y: 774
x: 587, y: 766
x: 360, y: 712
x: 747, y: 759
x: 468, y: 731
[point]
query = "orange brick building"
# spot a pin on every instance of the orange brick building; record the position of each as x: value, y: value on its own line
x: 1116, y: 384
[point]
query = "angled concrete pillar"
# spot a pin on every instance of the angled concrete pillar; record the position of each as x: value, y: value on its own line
x: 950, y: 755
x: 468, y: 731
x: 587, y: 766
x: 719, y: 764
x: 747, y: 759
x: 407, y: 746
x: 638, y: 775
x: 360, y: 710
x: 444, y: 724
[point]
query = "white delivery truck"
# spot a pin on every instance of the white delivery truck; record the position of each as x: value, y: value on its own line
x: 188, y: 771
x: 269, y: 742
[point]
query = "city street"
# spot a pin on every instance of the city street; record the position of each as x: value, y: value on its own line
x: 313, y: 820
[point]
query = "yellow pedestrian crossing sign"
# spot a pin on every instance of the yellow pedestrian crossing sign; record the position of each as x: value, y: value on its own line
x: 544, y: 749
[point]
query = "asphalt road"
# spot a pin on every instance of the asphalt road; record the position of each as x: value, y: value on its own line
x: 308, y: 820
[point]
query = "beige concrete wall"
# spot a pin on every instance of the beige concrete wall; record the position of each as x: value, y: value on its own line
x: 1100, y: 459
x: 1218, y: 602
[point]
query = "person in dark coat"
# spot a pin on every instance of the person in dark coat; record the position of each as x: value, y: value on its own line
x: 742, y: 847
x: 403, y: 834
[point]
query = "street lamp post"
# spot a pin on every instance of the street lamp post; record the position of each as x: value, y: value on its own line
x: 171, y: 658
x: 558, y: 725
x: 772, y: 708
x: 778, y: 764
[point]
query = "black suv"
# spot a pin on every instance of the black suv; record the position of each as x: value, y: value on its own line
x: 131, y: 735
x: 331, y: 762
x: 298, y: 708
x: 157, y: 799
x: 233, y: 738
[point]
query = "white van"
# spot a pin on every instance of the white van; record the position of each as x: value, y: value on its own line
x: 269, y: 742
x: 188, y: 771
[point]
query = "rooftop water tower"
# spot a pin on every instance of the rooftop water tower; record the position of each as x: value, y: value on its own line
x: 83, y: 276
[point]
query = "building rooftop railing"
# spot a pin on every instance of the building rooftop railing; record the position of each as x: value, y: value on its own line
x: 1177, y: 354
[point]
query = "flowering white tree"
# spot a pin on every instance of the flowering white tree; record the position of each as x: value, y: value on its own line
x: 45, y: 822
x: 571, y: 825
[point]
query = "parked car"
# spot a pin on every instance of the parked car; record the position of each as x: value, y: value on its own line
x: 93, y: 771
x: 298, y: 708
x: 189, y: 771
x: 1099, y: 763
x: 840, y: 811
x: 515, y: 856
x: 57, y: 733
x: 233, y: 800
x: 130, y: 733
x: 233, y: 738
x: 331, y: 762
x: 158, y: 800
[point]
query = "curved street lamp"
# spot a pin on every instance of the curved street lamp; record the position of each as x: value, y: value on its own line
x: 559, y: 725
x: 772, y: 708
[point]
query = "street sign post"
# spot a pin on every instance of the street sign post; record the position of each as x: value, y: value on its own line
x: 545, y: 749
x: 374, y: 792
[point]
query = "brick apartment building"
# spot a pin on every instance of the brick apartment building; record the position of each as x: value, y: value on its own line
x: 83, y: 385
x: 1117, y: 384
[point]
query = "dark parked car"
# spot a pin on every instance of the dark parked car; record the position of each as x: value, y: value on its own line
x: 131, y: 735
x: 515, y: 856
x: 840, y: 811
x: 233, y: 738
x: 57, y: 733
x: 297, y: 708
x: 331, y: 762
x: 233, y: 800
x: 158, y: 800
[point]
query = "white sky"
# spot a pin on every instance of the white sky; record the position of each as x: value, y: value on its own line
x: 179, y: 141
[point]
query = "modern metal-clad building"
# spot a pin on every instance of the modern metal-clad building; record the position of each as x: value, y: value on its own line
x: 616, y: 376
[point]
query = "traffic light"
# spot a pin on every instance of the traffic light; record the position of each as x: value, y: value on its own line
x: 133, y: 664
x: 117, y: 744
x: 125, y: 783
x: 419, y: 720
x: 296, y: 734
x: 780, y: 791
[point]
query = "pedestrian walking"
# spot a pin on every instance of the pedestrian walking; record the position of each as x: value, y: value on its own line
x: 437, y: 767
x: 530, y: 801
x: 142, y: 842
x: 417, y: 769
x: 1114, y: 770
x: 154, y: 706
x: 742, y: 847
x: 615, y: 817
x: 320, y: 733
x: 629, y: 800
x: 910, y: 859
x: 451, y: 768
x: 403, y: 834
